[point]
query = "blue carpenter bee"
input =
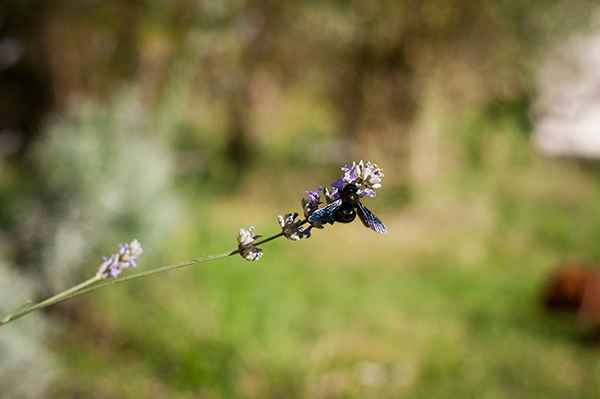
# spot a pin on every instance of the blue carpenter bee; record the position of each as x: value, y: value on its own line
x: 344, y: 210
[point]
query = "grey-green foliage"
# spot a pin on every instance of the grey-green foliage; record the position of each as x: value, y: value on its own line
x: 107, y: 178
x: 27, y: 367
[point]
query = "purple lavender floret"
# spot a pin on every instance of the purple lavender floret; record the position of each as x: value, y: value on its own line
x: 350, y: 175
x: 369, y: 192
x: 314, y: 195
x: 337, y: 187
x: 312, y: 203
x: 127, y: 256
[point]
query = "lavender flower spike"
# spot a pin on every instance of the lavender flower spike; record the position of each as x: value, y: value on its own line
x: 343, y: 201
x: 126, y: 257
x: 367, y: 177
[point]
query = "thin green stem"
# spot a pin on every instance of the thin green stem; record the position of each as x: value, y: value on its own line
x: 260, y: 242
x: 92, y: 283
x: 151, y: 271
x: 25, y: 309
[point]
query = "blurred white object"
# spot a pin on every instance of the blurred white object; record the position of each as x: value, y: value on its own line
x: 567, y: 111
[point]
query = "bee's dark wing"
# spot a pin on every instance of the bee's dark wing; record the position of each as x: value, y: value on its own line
x: 325, y: 214
x: 369, y: 219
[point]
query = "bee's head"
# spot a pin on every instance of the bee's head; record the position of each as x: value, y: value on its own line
x: 350, y: 188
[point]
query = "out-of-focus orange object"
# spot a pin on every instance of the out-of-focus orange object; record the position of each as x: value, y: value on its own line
x: 575, y: 287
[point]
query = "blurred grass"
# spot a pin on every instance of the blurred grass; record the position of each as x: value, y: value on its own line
x: 447, y: 304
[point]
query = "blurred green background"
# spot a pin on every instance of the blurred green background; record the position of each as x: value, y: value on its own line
x: 177, y: 123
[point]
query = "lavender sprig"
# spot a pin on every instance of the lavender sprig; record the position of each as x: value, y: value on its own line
x: 364, y: 179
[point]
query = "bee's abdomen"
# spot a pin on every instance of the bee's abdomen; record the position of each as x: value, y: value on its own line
x: 344, y: 215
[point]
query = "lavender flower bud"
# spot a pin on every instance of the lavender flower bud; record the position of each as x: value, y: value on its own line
x: 245, y: 239
x: 312, y: 203
x: 333, y: 195
x: 289, y: 228
x: 251, y: 253
x: 371, y: 175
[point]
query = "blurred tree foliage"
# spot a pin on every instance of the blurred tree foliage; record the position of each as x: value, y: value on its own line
x: 369, y: 59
